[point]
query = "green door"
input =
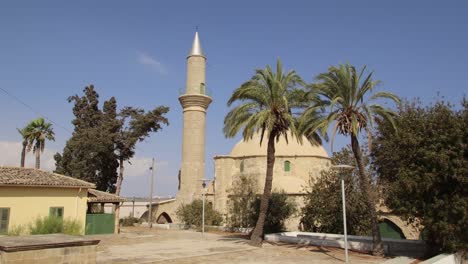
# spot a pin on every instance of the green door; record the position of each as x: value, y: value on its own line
x: 99, y: 224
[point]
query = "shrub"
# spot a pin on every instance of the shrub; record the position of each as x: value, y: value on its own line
x: 53, y: 225
x: 191, y: 214
x: 322, y: 211
x: 244, y: 204
x: 129, y: 221
x: 17, y: 230
x: 46, y: 225
x: 72, y: 227
x: 280, y: 208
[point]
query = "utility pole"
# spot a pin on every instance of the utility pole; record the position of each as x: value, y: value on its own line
x: 150, y: 223
x: 342, y: 168
x: 204, y: 181
x: 133, y: 207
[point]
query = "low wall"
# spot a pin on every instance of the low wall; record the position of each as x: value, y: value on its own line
x: 394, y: 247
x: 446, y: 259
x: 207, y: 227
x: 45, y: 249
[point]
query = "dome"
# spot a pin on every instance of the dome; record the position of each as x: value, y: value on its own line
x: 252, y: 147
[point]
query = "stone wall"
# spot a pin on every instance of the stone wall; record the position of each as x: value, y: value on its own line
x: 42, y: 249
x: 393, y: 247
x: 228, y: 169
x: 70, y: 255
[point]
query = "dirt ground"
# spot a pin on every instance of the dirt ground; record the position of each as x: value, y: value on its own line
x: 141, y: 245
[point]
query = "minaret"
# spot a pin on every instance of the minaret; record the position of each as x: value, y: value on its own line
x: 195, y: 102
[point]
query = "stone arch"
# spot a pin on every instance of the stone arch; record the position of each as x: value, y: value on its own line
x: 390, y: 229
x: 409, y: 230
x: 164, y: 218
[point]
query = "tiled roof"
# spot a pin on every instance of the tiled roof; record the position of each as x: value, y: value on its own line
x: 95, y: 196
x: 15, y: 176
x: 156, y: 199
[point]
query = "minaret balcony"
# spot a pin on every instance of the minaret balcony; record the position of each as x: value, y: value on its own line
x: 203, y: 91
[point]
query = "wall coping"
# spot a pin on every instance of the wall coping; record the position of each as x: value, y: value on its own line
x: 36, y: 242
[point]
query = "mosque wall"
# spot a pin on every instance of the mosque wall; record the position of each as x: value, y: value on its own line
x: 291, y: 180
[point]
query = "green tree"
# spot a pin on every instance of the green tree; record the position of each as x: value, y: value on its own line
x: 280, y: 208
x: 322, y: 211
x: 423, y: 169
x: 241, y: 196
x: 90, y: 153
x: 346, y: 94
x: 267, y: 100
x: 135, y: 126
x: 36, y: 133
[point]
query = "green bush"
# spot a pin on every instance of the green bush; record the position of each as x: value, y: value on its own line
x: 244, y: 204
x: 280, y: 208
x: 323, y: 211
x: 17, y: 230
x: 129, y: 221
x: 54, y: 225
x: 72, y: 227
x: 191, y: 214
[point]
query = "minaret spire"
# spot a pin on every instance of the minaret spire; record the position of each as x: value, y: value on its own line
x: 196, y: 47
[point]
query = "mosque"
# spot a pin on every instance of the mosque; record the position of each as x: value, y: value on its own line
x: 294, y: 165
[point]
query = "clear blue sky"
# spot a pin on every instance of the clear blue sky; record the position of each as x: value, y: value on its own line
x: 136, y: 50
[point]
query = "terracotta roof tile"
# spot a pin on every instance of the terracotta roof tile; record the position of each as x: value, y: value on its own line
x: 101, y: 197
x: 15, y: 176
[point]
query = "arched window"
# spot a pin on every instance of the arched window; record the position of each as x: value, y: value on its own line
x: 202, y: 88
x: 287, y: 166
x: 242, y: 166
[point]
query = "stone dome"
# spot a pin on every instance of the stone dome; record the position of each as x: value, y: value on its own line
x: 252, y: 147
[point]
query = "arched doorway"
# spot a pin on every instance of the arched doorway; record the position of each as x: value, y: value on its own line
x: 164, y: 218
x: 388, y: 229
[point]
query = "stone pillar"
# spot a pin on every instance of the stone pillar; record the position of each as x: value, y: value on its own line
x: 116, y: 218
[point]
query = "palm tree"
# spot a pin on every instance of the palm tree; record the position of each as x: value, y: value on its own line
x: 38, y: 132
x: 24, y: 134
x: 348, y: 97
x: 267, y: 100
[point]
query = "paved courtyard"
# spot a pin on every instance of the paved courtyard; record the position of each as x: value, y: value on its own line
x: 140, y: 245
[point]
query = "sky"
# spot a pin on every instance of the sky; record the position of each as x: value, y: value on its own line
x: 136, y: 51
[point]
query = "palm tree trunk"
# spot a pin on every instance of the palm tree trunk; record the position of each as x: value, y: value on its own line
x: 257, y: 234
x: 120, y: 178
x: 23, y: 153
x: 38, y: 159
x: 365, y: 184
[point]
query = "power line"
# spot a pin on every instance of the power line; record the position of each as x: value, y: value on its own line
x: 44, y: 116
x: 34, y: 110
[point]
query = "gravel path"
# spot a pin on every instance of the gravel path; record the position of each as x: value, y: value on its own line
x: 140, y: 245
